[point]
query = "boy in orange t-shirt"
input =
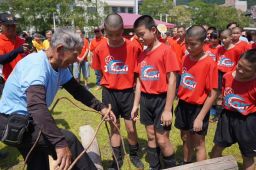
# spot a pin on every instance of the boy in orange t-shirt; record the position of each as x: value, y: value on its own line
x: 155, y: 92
x: 237, y: 120
x: 197, y: 92
x: 116, y: 59
x: 240, y: 45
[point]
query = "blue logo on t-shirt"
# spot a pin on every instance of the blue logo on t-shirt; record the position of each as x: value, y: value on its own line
x: 226, y: 62
x: 116, y: 67
x: 188, y: 81
x: 149, y: 73
x: 236, y: 102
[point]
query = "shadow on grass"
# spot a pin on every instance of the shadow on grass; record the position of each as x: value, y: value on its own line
x: 91, y: 84
x: 12, y: 158
x: 63, y: 123
x: 56, y: 113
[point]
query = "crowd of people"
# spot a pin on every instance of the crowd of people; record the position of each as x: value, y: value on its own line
x: 209, y: 72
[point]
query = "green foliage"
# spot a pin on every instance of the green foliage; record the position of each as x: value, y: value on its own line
x: 180, y: 15
x: 215, y: 15
x: 156, y: 7
x: 39, y: 14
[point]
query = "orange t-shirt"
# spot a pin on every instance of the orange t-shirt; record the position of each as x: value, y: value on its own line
x: 7, y: 46
x: 137, y: 43
x: 153, y: 67
x: 177, y: 49
x: 242, y: 47
x: 96, y: 42
x: 197, y: 79
x: 183, y: 48
x: 85, y: 47
x: 212, y: 51
x: 227, y: 59
x: 116, y: 64
x: 239, y: 96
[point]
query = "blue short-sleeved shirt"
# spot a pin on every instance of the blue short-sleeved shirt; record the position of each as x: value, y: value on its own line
x: 34, y: 69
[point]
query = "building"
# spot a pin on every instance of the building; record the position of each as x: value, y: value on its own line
x: 240, y: 5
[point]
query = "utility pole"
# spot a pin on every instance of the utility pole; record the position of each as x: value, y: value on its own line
x: 136, y: 7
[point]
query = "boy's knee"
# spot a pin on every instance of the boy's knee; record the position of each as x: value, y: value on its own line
x: 163, y: 142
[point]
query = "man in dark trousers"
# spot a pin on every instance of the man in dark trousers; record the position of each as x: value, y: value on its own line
x: 30, y: 90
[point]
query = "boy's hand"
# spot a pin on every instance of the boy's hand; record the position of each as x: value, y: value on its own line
x: 134, y: 113
x: 166, y: 118
x: 63, y: 158
x: 198, y: 125
x: 107, y: 111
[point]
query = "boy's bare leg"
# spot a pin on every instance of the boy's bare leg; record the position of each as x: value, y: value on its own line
x: 187, y: 146
x: 248, y: 163
x: 153, y: 151
x: 133, y: 143
x: 131, y: 132
x: 164, y: 143
x: 166, y: 149
x: 199, y: 145
x: 115, y: 136
x: 116, y: 145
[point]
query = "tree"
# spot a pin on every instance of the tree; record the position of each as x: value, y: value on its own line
x: 180, y: 15
x: 155, y: 8
x: 39, y: 14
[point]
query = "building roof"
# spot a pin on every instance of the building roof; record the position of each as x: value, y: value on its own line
x: 129, y: 20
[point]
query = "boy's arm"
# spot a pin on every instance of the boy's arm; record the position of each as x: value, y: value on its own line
x: 167, y: 113
x: 198, y: 123
x: 136, y: 101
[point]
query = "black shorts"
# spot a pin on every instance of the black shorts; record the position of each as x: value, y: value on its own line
x: 121, y: 101
x: 220, y: 78
x: 151, y: 109
x: 186, y: 114
x: 234, y: 127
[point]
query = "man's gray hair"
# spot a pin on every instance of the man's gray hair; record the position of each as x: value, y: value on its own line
x: 67, y: 37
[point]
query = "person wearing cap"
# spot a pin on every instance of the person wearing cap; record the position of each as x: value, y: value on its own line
x: 28, y: 93
x: 99, y: 38
x: 12, y: 47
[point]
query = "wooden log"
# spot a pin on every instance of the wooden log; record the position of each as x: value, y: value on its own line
x: 86, y: 133
x: 221, y: 163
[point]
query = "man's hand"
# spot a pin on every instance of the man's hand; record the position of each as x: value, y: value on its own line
x: 166, y: 118
x: 134, y: 113
x: 198, y: 125
x: 25, y: 47
x: 110, y: 115
x: 63, y: 158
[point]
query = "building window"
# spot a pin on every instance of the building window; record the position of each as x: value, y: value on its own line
x: 122, y: 9
x: 130, y: 10
x: 114, y: 9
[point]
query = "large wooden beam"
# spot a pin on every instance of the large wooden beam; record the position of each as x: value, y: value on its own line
x: 86, y: 133
x: 221, y: 163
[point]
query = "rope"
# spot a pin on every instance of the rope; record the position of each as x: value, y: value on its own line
x: 97, y: 129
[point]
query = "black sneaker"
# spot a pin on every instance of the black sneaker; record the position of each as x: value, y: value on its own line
x: 137, y: 162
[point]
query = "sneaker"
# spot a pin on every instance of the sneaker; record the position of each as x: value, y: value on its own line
x: 137, y: 162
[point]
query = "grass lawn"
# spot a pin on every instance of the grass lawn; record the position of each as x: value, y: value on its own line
x: 71, y: 118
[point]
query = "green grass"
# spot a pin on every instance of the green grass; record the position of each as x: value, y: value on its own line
x: 69, y: 117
